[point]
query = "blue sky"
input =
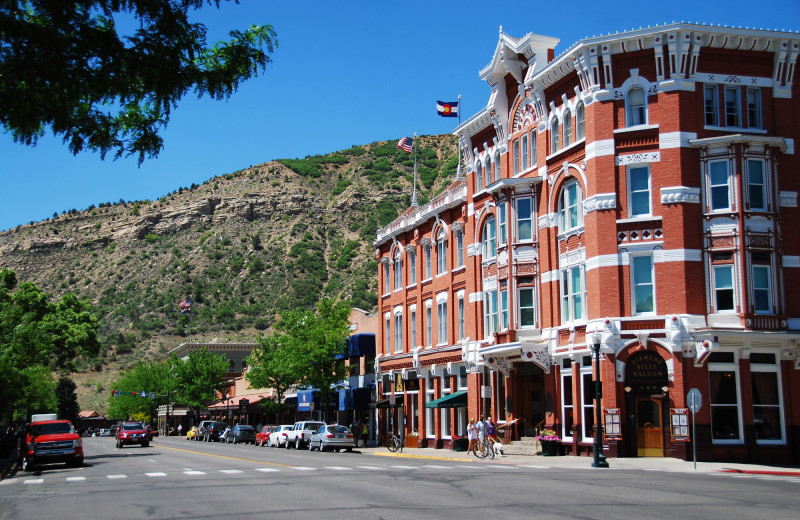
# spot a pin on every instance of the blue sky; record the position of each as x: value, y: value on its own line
x: 345, y: 72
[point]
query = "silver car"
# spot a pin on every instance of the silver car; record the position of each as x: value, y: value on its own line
x: 334, y: 436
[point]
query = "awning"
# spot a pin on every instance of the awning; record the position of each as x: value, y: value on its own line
x: 305, y: 398
x: 359, y: 345
x: 233, y: 402
x: 384, y: 403
x: 354, y: 398
x: 456, y: 400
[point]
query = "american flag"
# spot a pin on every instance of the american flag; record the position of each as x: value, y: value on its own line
x: 185, y: 306
x: 405, y: 144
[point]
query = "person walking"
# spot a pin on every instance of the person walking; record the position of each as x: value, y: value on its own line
x: 180, y: 428
x: 481, y: 427
x: 472, y: 435
x: 355, y: 427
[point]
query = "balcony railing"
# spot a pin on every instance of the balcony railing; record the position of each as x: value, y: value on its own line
x: 445, y: 199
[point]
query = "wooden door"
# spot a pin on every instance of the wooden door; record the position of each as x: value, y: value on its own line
x: 649, y: 428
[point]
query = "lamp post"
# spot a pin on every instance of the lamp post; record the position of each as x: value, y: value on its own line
x: 599, y: 457
x: 228, y: 408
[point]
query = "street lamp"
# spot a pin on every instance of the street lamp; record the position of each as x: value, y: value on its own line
x: 599, y: 457
x: 228, y: 408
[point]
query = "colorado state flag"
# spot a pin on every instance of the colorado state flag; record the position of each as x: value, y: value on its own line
x: 447, y: 109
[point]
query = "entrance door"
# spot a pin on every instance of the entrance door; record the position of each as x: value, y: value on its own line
x: 649, y: 430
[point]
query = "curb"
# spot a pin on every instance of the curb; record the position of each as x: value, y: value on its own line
x: 761, y: 472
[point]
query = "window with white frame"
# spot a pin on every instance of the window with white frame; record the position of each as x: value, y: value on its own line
x: 587, y: 398
x: 765, y: 380
x: 724, y: 293
x: 430, y: 426
x: 427, y: 248
x: 478, y: 176
x: 412, y: 266
x: 638, y: 191
x: 719, y: 186
x: 567, y: 128
x: 572, y: 294
x: 516, y: 157
x: 461, y: 310
x: 711, y: 105
x: 387, y: 288
x: 428, y: 324
x: 502, y: 231
x: 554, y: 139
x: 444, y: 413
x: 526, y: 163
x: 398, y: 331
x: 643, y: 284
x: 413, y: 325
x: 570, y: 207
x: 441, y: 320
x: 487, y: 171
x: 527, y: 307
x: 441, y: 253
x: 635, y: 107
x: 489, y: 314
x: 567, y: 402
x: 756, y: 189
x: 459, y: 248
x: 723, y: 376
x: 488, y: 239
x: 496, y: 166
x: 534, y: 149
x: 762, y: 295
x: 388, y: 333
x: 754, y: 108
x: 580, y: 121
x: 503, y: 309
x: 524, y: 219
x: 732, y: 107
x: 398, y: 269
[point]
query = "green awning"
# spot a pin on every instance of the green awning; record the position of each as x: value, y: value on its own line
x: 456, y: 400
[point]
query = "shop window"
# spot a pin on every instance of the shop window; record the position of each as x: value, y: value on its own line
x: 766, y: 388
x: 635, y: 107
x: 724, y: 398
x: 587, y: 392
x: 567, y: 406
x: 430, y: 427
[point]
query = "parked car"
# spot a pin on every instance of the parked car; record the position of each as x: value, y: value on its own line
x: 334, y: 436
x: 300, y: 432
x: 262, y: 436
x: 51, y: 441
x: 241, y: 433
x: 133, y: 432
x: 210, y: 430
x: 279, y: 436
x: 191, y: 434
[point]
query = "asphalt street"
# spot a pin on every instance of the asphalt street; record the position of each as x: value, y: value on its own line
x: 175, y: 478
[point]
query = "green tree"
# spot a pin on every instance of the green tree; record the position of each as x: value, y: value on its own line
x: 273, y: 365
x: 66, y: 66
x: 195, y: 380
x: 38, y: 337
x: 147, y: 376
x: 67, y: 399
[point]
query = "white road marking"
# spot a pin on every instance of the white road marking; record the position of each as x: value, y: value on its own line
x: 75, y: 479
x: 116, y: 476
x: 303, y: 468
x: 267, y: 470
x: 434, y: 466
x: 230, y: 471
x: 404, y: 467
x: 339, y: 468
x: 372, y: 467
x: 192, y: 472
x: 34, y: 481
x: 156, y: 474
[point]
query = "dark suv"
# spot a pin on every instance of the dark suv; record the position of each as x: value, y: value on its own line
x: 133, y: 432
x: 210, y: 430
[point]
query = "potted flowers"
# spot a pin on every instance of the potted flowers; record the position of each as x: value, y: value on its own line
x: 549, y: 440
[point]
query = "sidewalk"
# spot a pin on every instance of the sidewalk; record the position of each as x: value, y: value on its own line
x: 572, y: 462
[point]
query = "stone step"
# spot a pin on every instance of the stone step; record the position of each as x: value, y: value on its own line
x: 516, y: 449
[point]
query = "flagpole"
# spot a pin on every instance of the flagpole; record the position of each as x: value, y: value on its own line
x: 414, y: 203
x: 459, y: 171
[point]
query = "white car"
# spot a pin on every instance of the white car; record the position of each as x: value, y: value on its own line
x: 277, y: 439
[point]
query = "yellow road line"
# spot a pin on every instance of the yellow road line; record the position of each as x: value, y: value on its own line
x: 228, y: 457
x: 408, y: 456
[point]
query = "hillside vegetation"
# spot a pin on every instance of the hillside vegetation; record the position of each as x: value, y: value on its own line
x: 244, y: 246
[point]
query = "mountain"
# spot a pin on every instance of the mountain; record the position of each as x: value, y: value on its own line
x: 243, y: 246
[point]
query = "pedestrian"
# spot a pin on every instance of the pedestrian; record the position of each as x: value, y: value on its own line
x: 472, y: 434
x: 481, y: 427
x: 355, y: 428
x: 180, y: 427
x: 491, y: 433
x: 365, y: 432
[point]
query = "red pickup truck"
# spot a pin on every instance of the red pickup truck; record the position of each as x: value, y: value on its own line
x: 51, y: 441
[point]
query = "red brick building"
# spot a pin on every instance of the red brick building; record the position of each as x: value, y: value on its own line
x: 638, y: 191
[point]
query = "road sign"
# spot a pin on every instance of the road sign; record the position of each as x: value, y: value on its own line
x: 694, y: 400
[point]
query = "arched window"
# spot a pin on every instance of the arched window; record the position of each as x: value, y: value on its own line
x: 525, y: 157
x: 478, y: 176
x: 554, y: 135
x: 516, y: 158
x: 489, y: 239
x: 487, y: 171
x: 567, y: 128
x: 441, y: 253
x: 635, y: 107
x: 496, y: 166
x: 580, y: 122
x: 570, y: 207
x: 398, y: 269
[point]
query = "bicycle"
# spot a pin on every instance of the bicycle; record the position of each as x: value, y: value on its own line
x: 484, y: 448
x: 393, y: 443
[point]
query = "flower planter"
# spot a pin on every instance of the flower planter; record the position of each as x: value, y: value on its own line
x: 411, y: 441
x: 549, y: 448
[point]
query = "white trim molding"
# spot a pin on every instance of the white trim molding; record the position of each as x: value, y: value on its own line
x: 638, y: 158
x: 679, y: 195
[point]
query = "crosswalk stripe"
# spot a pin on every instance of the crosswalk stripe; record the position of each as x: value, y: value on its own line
x: 267, y: 470
x: 75, y: 479
x: 156, y: 474
x: 116, y: 476
x: 341, y: 468
x: 303, y: 468
x: 230, y: 471
x: 34, y: 481
x: 193, y: 472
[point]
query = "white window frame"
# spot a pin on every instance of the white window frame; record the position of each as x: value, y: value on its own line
x: 478, y: 176
x: 398, y: 270
x: 516, y: 157
x: 489, y: 238
x: 524, y: 218
x: 534, y: 150
x: 428, y: 324
x: 459, y: 248
x: 567, y: 128
x: 638, y: 269
x: 554, y: 137
x: 412, y: 267
x: 633, y: 173
x: 441, y: 253
x: 461, y: 315
x: 727, y: 367
x: 761, y: 289
x: 441, y: 319
x: 566, y: 435
x: 388, y: 332
x: 502, y: 224
x: 413, y: 326
x: 490, y: 325
x: 715, y: 185
x: 430, y: 425
x: 569, y: 305
x: 565, y: 205
x: 711, y: 104
x: 487, y: 171
x: 754, y: 113
x: 733, y: 107
x: 398, y: 330
x: 503, y: 323
x: 526, y: 158
x: 587, y: 429
x: 762, y: 185
x: 387, y: 279
x: 522, y: 309
x: 427, y: 248
x: 635, y: 114
x: 770, y: 369
x: 580, y: 121
x: 716, y: 288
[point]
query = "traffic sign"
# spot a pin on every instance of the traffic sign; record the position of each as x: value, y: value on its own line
x: 694, y: 399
